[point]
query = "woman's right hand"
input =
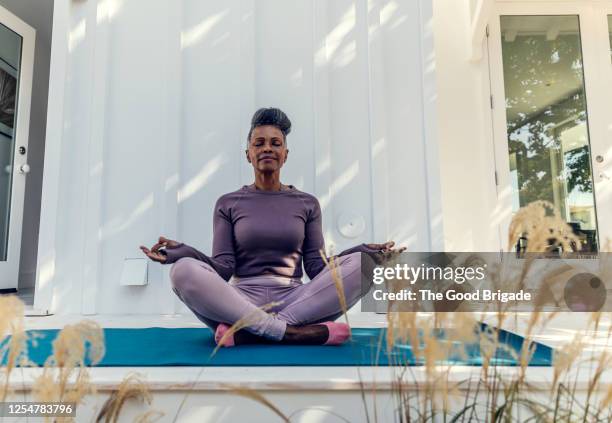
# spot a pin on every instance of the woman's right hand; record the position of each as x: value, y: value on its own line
x: 155, y: 253
x: 385, y: 252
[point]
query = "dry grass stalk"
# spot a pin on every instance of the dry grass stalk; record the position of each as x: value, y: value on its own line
x: 131, y: 388
x: 337, y: 278
x: 503, y: 398
x: 430, y: 349
x: 489, y: 341
x: 464, y: 327
x: 149, y: 416
x: 603, y: 364
x: 402, y: 327
x: 257, y: 397
x: 240, y: 324
x: 565, y: 357
x: 607, y: 399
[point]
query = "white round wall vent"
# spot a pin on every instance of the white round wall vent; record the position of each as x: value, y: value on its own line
x: 351, y: 224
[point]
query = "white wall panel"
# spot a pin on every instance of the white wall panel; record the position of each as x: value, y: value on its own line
x: 403, y: 91
x: 349, y: 116
x: 69, y: 226
x: 154, y: 134
x: 283, y: 55
x: 465, y: 140
x: 135, y: 138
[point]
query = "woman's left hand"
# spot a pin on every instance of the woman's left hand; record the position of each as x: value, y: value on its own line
x: 387, y: 247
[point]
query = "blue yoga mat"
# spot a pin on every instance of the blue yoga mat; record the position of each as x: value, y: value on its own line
x: 194, y: 346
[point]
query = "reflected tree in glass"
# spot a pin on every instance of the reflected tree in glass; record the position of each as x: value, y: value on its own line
x: 546, y: 113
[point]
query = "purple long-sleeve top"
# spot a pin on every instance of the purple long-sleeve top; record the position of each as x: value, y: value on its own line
x: 257, y: 232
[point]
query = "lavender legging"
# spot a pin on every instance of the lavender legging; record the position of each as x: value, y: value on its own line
x: 213, y: 300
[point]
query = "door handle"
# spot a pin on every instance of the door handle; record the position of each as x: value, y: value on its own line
x: 25, y: 168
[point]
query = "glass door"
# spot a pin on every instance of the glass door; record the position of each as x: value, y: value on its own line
x: 10, y: 57
x: 16, y: 65
x: 549, y: 117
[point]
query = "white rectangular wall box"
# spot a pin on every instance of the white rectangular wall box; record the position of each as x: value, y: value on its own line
x: 134, y: 271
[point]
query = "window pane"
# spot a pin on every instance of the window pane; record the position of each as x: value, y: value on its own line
x: 546, y: 113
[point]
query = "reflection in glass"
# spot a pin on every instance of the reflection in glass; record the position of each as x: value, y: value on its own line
x: 10, y: 56
x: 546, y: 113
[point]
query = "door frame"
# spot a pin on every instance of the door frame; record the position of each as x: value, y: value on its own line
x: 597, y: 86
x: 9, y: 269
x: 603, y: 171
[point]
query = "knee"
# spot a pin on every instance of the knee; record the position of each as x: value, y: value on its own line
x: 350, y: 265
x: 350, y: 259
x: 181, y: 273
x: 350, y: 271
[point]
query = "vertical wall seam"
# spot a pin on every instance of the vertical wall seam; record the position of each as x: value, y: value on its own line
x: 429, y: 144
x: 171, y: 177
x: 321, y: 113
x: 91, y: 269
x: 379, y: 181
x: 84, y: 262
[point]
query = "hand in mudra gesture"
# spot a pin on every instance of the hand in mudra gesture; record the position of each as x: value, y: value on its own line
x: 386, y: 250
x: 155, y: 254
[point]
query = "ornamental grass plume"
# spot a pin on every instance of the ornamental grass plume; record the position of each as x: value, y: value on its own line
x: 69, y: 353
x: 65, y: 377
x: 498, y: 396
x: 544, y: 228
x: 489, y: 393
x: 131, y: 388
x: 402, y: 327
x: 76, y: 343
x: 13, y: 351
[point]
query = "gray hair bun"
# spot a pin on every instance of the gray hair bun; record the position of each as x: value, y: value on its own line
x: 271, y: 116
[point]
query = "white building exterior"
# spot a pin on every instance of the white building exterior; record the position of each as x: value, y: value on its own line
x: 150, y: 101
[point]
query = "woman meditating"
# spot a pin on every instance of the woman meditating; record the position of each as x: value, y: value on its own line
x: 262, y: 234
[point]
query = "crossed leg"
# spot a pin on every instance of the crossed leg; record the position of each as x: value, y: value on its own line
x: 318, y: 301
x: 213, y: 300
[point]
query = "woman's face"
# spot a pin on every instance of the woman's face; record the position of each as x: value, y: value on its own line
x: 267, y: 150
